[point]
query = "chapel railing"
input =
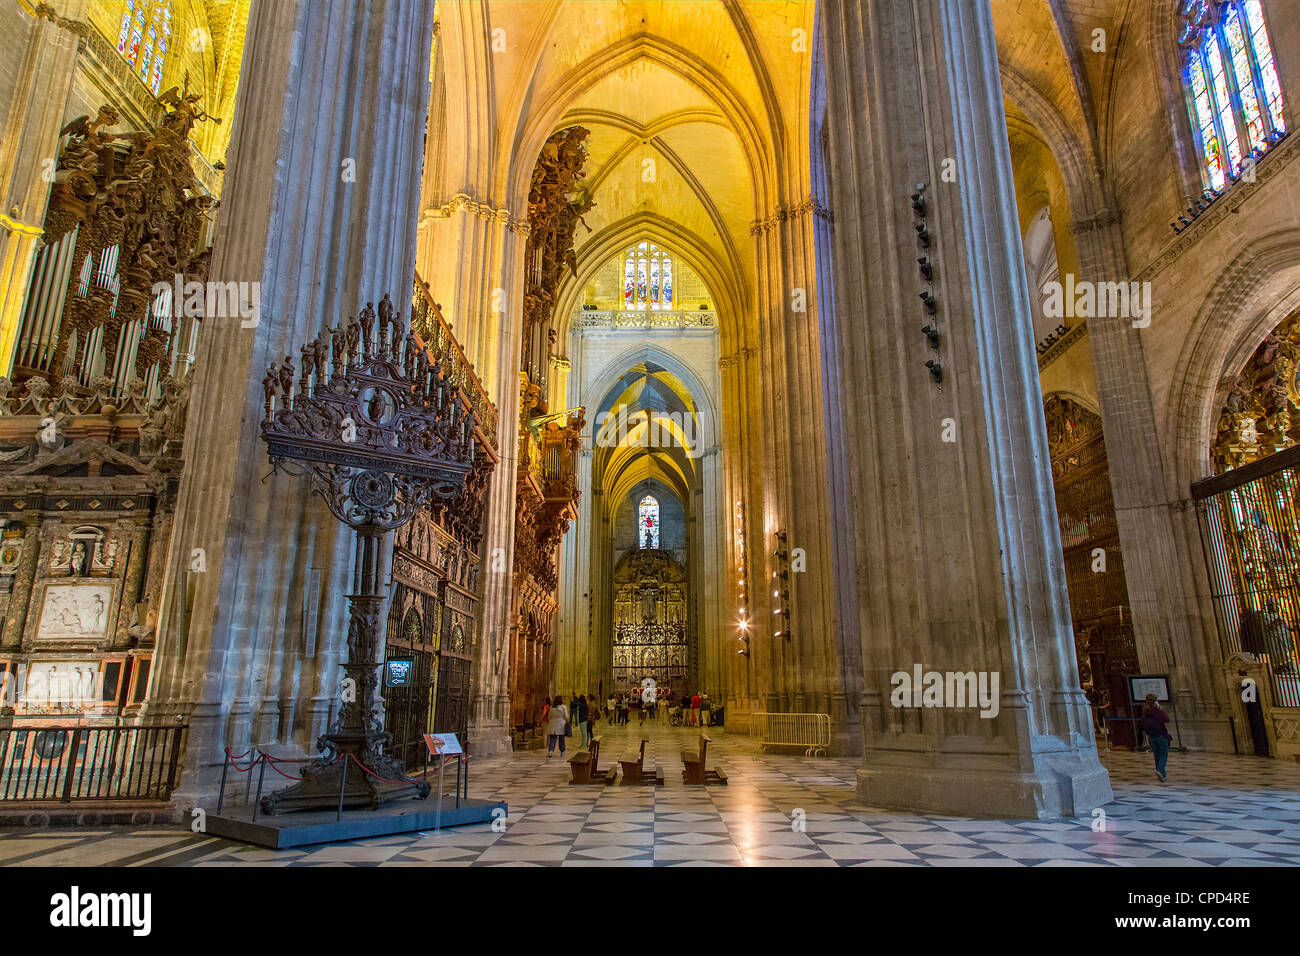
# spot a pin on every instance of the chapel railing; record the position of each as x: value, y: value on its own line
x: 65, y: 764
x: 433, y: 332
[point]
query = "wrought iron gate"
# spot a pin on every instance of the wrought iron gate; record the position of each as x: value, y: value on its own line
x: 408, y: 710
x: 1250, y: 530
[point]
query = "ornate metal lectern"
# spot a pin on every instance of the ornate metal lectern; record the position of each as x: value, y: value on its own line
x: 380, y: 433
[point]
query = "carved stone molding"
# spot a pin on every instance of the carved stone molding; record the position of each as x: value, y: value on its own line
x: 784, y: 213
x: 736, y: 358
x: 73, y: 26
x: 1270, y: 165
x: 463, y: 202
x: 1062, y: 345
x: 647, y: 319
x: 559, y: 362
x: 1107, y: 217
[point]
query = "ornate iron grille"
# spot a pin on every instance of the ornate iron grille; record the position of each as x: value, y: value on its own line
x: 1250, y: 530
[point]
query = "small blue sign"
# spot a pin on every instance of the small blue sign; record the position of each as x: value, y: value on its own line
x: 398, y: 672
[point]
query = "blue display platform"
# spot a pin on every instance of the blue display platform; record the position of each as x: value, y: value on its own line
x: 284, y: 830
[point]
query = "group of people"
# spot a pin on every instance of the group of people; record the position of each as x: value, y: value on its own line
x: 619, y: 707
x: 582, y: 711
x: 559, y: 718
x: 696, y: 709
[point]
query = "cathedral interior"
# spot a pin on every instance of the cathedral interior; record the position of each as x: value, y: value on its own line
x: 858, y: 405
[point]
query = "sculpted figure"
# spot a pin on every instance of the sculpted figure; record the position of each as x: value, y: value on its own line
x: 286, y: 376
x: 367, y: 319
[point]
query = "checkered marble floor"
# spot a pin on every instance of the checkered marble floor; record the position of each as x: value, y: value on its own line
x: 776, y: 811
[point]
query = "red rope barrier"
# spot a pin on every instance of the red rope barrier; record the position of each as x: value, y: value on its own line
x: 271, y: 762
x: 234, y: 761
x: 375, y: 775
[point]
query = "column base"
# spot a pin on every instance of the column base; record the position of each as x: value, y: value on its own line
x: 1061, y: 787
x: 336, y: 778
x: 489, y: 738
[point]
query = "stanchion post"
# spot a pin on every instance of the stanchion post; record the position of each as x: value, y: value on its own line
x: 221, y: 794
x: 342, y: 787
x: 261, y: 775
x: 437, y: 814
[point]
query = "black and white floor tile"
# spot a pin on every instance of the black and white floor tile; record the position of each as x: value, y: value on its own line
x: 777, y: 810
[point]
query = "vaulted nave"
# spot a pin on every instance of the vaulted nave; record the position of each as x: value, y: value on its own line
x: 649, y: 432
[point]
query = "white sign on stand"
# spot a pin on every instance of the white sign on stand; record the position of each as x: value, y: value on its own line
x: 442, y: 745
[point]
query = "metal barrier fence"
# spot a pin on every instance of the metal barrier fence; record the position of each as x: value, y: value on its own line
x: 808, y: 732
x: 63, y: 764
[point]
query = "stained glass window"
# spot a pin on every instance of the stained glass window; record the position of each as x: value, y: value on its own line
x: 1233, y: 92
x: 145, y: 38
x: 647, y: 278
x: 648, y: 523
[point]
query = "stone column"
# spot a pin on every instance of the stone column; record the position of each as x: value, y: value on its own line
x: 320, y: 207
x: 1163, y: 560
x: 806, y: 666
x: 137, y: 555
x: 947, y: 513
x: 28, y: 148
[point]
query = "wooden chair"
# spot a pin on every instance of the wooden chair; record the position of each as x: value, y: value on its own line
x: 585, y: 766
x: 695, y: 773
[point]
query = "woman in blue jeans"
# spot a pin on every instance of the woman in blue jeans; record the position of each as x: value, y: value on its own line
x: 556, y: 718
x: 1154, y: 721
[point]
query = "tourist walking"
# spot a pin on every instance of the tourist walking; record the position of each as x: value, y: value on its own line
x: 696, y: 700
x: 593, y: 714
x: 557, y: 722
x: 578, y: 715
x: 610, y: 712
x: 1154, y: 721
x: 622, y: 710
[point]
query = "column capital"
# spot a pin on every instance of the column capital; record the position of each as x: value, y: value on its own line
x: 47, y: 12
x: 785, y: 213
x: 464, y: 202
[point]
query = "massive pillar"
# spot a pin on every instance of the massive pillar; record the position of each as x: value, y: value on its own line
x: 470, y: 251
x: 42, y: 81
x: 947, y: 514
x: 803, y: 673
x: 1156, y: 519
x: 320, y: 207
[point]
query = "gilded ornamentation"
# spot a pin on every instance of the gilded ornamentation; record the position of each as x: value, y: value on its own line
x: 1258, y: 416
x: 137, y: 192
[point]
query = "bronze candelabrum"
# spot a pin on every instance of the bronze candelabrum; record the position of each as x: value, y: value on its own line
x: 380, y: 433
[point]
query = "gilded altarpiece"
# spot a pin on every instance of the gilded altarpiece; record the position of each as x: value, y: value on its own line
x: 1094, y: 564
x: 652, y: 629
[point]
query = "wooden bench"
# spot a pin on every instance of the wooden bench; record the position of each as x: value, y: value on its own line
x: 633, y: 762
x: 695, y: 773
x: 585, y: 766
